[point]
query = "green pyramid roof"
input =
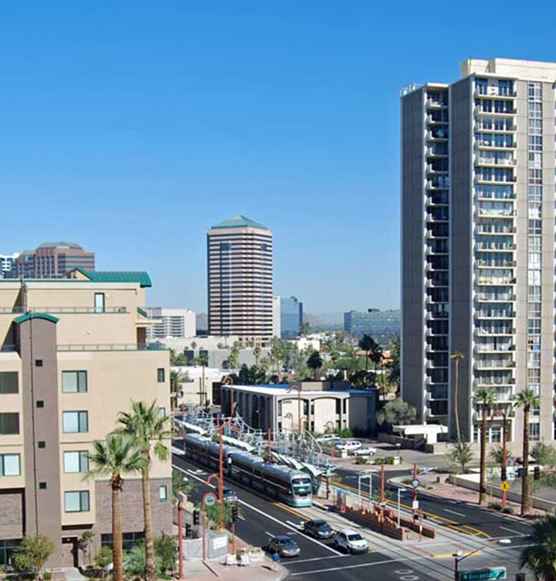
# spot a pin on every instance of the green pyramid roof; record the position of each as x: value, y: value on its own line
x: 240, y: 221
x: 140, y: 277
x: 35, y: 315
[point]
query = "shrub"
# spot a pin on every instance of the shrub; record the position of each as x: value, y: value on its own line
x: 104, y: 557
x: 495, y: 505
x: 32, y: 554
x: 508, y: 510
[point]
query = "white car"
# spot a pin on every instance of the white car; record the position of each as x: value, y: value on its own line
x: 365, y: 451
x: 350, y: 541
x: 348, y: 445
x: 327, y: 438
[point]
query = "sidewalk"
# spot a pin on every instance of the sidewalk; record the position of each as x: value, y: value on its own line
x: 267, y: 571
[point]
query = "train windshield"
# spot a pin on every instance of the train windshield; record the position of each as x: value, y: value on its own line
x: 301, y: 486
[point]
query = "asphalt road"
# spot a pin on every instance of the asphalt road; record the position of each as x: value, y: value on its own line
x: 454, y: 514
x: 262, y: 518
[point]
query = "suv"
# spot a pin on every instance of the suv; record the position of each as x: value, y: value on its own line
x: 350, y: 541
x: 229, y: 495
x: 318, y: 528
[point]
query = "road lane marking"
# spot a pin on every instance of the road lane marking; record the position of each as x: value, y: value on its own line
x: 453, y: 512
x: 319, y: 559
x: 514, y: 532
x: 253, y: 508
x: 358, y: 566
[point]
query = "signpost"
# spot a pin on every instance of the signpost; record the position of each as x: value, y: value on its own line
x: 488, y: 574
x: 504, y: 487
x: 209, y: 499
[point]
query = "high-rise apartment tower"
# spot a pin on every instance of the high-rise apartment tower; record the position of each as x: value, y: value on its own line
x: 240, y: 280
x: 478, y: 245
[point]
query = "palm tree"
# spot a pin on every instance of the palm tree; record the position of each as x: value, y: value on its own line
x: 485, y: 399
x: 314, y: 362
x: 526, y: 400
x: 149, y: 431
x: 367, y: 344
x: 114, y: 458
x: 540, y: 555
x: 457, y: 357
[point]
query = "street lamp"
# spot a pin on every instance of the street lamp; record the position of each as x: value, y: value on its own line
x: 366, y: 476
x: 459, y: 556
x: 400, y: 490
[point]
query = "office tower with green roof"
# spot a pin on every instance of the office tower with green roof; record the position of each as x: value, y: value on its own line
x: 239, y: 267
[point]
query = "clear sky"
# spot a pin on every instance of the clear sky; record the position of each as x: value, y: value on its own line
x: 132, y: 126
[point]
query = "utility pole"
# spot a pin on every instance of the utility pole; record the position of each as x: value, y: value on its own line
x: 414, y: 478
x: 221, y: 478
x: 504, y: 467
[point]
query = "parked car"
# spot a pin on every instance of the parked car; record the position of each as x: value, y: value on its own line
x: 350, y: 541
x: 229, y: 495
x: 282, y: 545
x: 348, y: 445
x: 365, y: 451
x: 318, y: 528
x: 327, y: 438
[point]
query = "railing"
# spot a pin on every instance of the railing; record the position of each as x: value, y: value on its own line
x: 493, y: 347
x: 495, y: 247
x: 485, y: 160
x: 494, y: 364
x: 494, y: 331
x: 114, y: 347
x: 495, y: 314
x: 62, y: 310
x: 496, y: 298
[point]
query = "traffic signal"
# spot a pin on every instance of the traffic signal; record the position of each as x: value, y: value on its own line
x: 188, y: 530
x: 235, y: 512
x: 504, y: 474
x: 196, y: 517
x: 537, y: 473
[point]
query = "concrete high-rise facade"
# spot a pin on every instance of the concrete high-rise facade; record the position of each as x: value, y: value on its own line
x: 291, y: 317
x: 478, y: 244
x: 171, y: 323
x: 239, y: 254
x: 72, y: 357
x: 7, y: 264
x: 53, y: 260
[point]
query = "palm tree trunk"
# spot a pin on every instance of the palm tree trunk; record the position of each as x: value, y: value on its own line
x: 483, y: 456
x: 456, y: 402
x: 525, y: 494
x: 150, y: 569
x: 117, y: 542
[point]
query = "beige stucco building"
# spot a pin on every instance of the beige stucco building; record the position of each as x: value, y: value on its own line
x: 310, y: 406
x: 72, y: 356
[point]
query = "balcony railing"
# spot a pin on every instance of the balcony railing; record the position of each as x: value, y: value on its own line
x: 495, y: 297
x: 481, y: 314
x: 63, y: 310
x: 494, y: 91
x: 114, y: 347
x: 495, y: 247
x: 495, y: 281
x: 486, y: 365
x: 486, y: 229
x: 485, y: 160
x: 494, y: 347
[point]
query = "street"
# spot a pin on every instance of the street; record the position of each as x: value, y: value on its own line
x: 461, y: 528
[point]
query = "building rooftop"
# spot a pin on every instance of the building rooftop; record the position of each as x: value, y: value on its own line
x: 35, y: 315
x: 140, y: 277
x: 240, y: 221
x: 66, y: 244
x: 285, y: 389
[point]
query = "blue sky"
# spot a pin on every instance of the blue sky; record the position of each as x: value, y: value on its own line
x: 131, y: 127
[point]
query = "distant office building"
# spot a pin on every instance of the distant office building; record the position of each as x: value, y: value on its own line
x: 171, y: 323
x: 381, y: 325
x: 53, y: 260
x: 276, y: 326
x: 240, y: 280
x: 291, y: 317
x: 7, y: 264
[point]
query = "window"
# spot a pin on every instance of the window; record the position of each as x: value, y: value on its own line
x: 535, y: 431
x: 163, y: 493
x: 162, y: 412
x: 43, y: 486
x: 75, y: 462
x: 77, y: 501
x: 10, y: 465
x: 9, y: 424
x: 75, y: 422
x: 42, y: 444
x: 161, y: 374
x: 40, y: 403
x: 74, y: 381
x: 130, y: 540
x: 8, y: 382
x: 100, y: 303
x: 38, y: 362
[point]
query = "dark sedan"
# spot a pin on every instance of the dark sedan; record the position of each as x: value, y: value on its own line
x: 283, y: 545
x: 318, y: 528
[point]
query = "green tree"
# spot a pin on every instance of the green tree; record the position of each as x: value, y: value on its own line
x: 461, y: 455
x: 233, y: 358
x: 314, y: 362
x: 526, y: 400
x: 540, y: 554
x: 544, y: 455
x: 134, y: 561
x: 166, y: 550
x: 32, y: 555
x: 367, y: 344
x: 394, y: 364
x: 84, y: 544
x: 305, y: 329
x: 396, y: 412
x: 180, y: 485
x: 116, y: 457
x: 176, y: 378
x: 214, y: 514
x: 485, y: 400
x: 497, y: 455
x: 151, y: 434
x: 103, y: 558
